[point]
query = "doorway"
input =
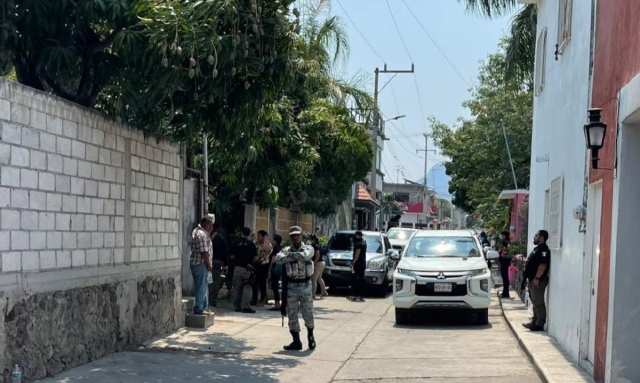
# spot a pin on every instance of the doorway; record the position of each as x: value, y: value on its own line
x: 592, y: 264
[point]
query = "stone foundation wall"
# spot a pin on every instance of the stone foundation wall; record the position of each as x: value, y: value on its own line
x: 90, y: 223
x: 49, y: 332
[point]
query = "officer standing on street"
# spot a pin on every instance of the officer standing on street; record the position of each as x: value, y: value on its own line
x: 537, y: 274
x: 297, y: 260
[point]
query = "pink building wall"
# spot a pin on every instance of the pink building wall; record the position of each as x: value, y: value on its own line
x: 515, y: 225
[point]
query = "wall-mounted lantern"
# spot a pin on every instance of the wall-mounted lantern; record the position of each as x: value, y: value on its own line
x: 594, y: 132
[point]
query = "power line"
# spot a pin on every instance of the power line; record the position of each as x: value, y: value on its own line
x: 403, y: 131
x: 359, y: 32
x: 405, y: 136
x: 424, y: 122
x: 436, y: 44
x: 398, y: 30
x: 407, y: 150
x: 395, y: 157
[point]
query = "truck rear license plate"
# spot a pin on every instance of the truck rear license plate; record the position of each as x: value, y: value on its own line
x: 442, y: 287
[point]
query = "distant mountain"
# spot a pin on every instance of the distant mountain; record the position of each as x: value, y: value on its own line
x: 439, y: 180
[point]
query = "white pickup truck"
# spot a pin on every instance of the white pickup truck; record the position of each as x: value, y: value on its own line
x: 443, y: 269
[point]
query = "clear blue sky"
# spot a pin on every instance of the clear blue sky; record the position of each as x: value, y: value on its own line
x: 464, y: 38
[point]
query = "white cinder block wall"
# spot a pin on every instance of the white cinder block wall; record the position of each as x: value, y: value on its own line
x: 74, y: 189
x: 90, y: 216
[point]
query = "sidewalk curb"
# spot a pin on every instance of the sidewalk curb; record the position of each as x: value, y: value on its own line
x: 523, y: 346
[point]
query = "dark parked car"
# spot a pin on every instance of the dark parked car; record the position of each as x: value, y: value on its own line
x: 380, y: 266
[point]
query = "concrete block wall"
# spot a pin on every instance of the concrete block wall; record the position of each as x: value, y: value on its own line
x: 85, y: 203
x: 72, y: 186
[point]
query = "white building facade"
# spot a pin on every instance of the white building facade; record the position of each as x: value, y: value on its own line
x: 558, y: 170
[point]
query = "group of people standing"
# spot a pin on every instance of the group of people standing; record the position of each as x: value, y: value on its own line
x: 253, y: 265
x: 536, y: 273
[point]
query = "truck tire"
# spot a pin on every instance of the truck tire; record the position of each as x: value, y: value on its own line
x: 482, y: 316
x: 383, y: 289
x: 402, y: 316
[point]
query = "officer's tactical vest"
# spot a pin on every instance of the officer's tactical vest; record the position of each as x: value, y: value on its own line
x: 300, y: 270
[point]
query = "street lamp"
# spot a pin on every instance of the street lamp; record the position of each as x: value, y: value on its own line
x: 395, y: 118
x: 384, y: 137
x: 594, y: 132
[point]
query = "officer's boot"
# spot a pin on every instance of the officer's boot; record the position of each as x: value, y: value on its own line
x: 296, y: 345
x: 530, y: 324
x: 311, y: 339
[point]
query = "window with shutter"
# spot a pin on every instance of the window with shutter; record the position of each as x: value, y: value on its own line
x: 546, y: 210
x: 555, y: 213
x: 541, y: 59
x: 564, y: 24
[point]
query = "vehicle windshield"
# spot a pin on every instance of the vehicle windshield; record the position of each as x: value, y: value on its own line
x: 442, y: 247
x: 400, y: 234
x: 344, y: 242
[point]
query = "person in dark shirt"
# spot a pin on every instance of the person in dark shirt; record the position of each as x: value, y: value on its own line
x: 243, y: 253
x: 505, y: 261
x: 262, y: 267
x: 318, y: 267
x: 358, y: 266
x: 220, y: 258
x: 275, y: 279
x: 484, y: 241
x: 537, y: 274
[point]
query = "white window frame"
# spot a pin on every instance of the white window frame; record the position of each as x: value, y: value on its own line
x: 556, y: 206
x: 541, y: 59
x: 565, y: 14
x: 545, y: 225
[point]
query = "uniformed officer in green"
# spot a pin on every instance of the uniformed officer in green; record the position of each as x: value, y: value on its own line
x: 297, y: 260
x: 537, y: 274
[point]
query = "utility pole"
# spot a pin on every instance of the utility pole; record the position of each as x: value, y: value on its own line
x: 426, y: 151
x: 205, y: 150
x: 375, y: 128
x: 506, y: 141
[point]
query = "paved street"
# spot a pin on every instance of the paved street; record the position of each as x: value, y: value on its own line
x: 357, y: 342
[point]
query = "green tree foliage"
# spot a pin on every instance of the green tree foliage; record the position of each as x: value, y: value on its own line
x: 479, y: 163
x: 64, y: 46
x: 521, y: 47
x: 344, y: 153
x: 251, y: 75
x: 310, y: 148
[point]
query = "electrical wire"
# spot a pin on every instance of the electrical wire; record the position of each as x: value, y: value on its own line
x: 437, y: 45
x: 359, y: 32
x: 412, y: 152
x: 424, y: 121
x: 395, y: 23
x: 403, y: 131
x: 411, y: 141
x: 395, y: 157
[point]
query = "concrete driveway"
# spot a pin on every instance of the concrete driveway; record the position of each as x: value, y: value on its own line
x: 357, y: 342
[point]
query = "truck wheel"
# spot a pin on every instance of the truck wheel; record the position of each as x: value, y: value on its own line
x: 383, y: 289
x: 483, y: 316
x: 402, y: 316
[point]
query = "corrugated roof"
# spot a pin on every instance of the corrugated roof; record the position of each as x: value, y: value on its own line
x: 363, y: 195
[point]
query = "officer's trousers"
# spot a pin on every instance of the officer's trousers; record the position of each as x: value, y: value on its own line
x: 536, y: 293
x: 299, y: 299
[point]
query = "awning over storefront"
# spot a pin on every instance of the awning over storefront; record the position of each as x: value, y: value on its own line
x: 363, y: 196
x: 512, y: 194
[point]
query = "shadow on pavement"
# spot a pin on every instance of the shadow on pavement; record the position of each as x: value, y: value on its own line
x: 225, y: 310
x: 203, y: 342
x: 152, y: 367
x: 444, y: 320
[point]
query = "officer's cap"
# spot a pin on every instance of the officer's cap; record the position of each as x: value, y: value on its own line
x: 295, y: 230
